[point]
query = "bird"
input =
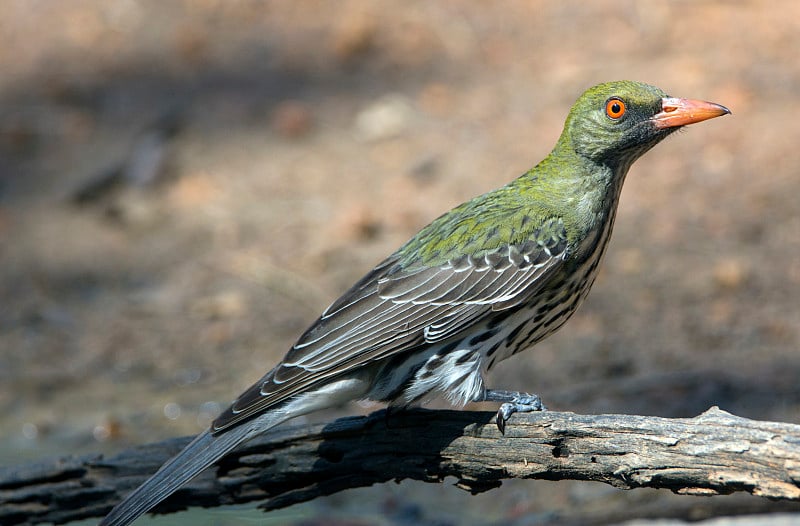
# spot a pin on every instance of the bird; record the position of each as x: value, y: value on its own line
x: 482, y: 282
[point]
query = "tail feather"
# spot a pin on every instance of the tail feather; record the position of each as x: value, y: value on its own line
x: 207, y: 448
x: 201, y: 453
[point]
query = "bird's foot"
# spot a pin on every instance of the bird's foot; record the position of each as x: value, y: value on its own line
x: 512, y: 402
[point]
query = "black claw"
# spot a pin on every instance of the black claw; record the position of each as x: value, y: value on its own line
x: 521, y: 403
x: 501, y: 422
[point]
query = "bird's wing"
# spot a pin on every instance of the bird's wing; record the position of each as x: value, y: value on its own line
x: 394, y: 309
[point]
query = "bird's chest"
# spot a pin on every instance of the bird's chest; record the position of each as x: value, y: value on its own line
x: 547, y: 310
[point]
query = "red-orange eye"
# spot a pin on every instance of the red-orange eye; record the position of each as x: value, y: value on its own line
x: 615, y: 108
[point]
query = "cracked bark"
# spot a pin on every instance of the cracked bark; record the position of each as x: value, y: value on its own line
x: 713, y: 453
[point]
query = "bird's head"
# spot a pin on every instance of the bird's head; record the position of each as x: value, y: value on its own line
x: 616, y: 122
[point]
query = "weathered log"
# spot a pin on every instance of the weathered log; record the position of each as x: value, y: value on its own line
x: 714, y: 453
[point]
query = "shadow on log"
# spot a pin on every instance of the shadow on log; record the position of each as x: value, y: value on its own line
x: 714, y: 453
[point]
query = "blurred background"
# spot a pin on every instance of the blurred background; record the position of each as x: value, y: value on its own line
x: 185, y: 185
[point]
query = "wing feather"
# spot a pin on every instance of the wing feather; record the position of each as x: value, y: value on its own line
x: 394, y: 309
x: 447, y: 287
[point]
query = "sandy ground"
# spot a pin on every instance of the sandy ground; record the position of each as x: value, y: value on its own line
x: 267, y: 154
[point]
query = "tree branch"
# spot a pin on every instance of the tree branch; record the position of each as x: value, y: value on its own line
x: 714, y: 453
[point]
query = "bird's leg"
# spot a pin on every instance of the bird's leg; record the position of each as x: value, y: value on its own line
x: 512, y: 402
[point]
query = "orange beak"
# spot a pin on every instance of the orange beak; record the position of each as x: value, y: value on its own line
x: 680, y: 112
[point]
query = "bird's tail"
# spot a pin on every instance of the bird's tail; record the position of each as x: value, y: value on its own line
x: 202, y: 452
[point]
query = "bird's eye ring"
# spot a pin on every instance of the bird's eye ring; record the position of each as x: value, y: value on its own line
x: 615, y: 108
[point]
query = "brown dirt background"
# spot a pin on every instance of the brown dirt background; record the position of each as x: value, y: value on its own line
x: 315, y: 137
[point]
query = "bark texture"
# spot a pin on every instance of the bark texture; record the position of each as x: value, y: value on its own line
x: 713, y: 453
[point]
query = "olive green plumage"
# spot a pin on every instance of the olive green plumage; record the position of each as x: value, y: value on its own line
x: 491, y: 276
x: 486, y: 280
x: 578, y: 182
